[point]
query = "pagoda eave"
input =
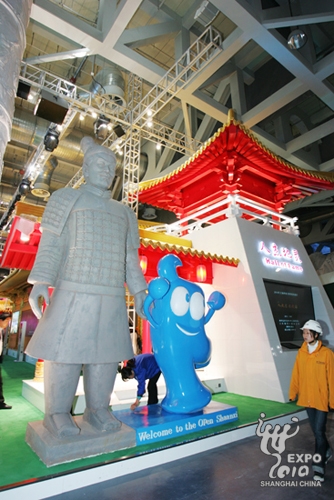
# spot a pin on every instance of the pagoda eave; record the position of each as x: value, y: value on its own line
x: 233, y: 161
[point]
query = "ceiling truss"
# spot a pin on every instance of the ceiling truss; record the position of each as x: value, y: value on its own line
x: 191, y: 76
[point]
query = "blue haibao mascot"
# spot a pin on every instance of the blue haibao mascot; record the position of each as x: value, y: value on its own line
x: 175, y: 309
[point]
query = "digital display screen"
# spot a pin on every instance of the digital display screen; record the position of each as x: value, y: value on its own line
x: 291, y: 306
x: 14, y: 327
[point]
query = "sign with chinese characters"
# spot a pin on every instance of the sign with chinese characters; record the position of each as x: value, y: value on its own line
x: 280, y: 257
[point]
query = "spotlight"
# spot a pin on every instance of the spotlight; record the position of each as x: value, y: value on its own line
x: 51, y: 139
x: 101, y: 127
x: 24, y: 186
x: 119, y: 150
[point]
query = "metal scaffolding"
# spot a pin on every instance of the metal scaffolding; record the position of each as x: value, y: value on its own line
x: 134, y: 117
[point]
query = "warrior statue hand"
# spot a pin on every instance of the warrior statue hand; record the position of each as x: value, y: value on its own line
x: 139, y: 303
x: 38, y: 290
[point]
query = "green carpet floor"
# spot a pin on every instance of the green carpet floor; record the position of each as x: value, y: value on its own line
x: 18, y: 463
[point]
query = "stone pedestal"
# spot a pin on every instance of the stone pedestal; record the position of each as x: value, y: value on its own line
x: 88, y: 443
x: 147, y: 424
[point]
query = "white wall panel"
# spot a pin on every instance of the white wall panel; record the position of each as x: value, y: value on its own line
x: 246, y: 347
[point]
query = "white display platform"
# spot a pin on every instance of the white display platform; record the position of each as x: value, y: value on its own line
x: 123, y: 396
x: 58, y: 485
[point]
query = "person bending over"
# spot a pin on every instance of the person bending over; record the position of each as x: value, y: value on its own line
x: 143, y: 367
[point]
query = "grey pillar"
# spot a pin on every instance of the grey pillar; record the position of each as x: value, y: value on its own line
x: 14, y: 18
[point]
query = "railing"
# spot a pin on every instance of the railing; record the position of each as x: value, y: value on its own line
x: 232, y: 206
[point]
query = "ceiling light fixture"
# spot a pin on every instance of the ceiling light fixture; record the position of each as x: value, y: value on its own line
x: 297, y: 38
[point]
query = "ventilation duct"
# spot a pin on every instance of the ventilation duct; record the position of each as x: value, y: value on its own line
x: 6, y: 194
x: 149, y: 213
x: 206, y: 13
x: 27, y: 129
x: 41, y: 187
x: 108, y: 82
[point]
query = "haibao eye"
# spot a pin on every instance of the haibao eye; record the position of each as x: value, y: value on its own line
x: 179, y: 302
x: 197, y: 307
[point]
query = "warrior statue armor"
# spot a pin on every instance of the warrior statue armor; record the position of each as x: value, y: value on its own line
x: 88, y: 251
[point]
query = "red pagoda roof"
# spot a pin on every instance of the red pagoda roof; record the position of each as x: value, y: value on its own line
x: 233, y: 161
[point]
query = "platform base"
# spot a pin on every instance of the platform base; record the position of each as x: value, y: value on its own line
x: 88, y: 443
x: 152, y: 423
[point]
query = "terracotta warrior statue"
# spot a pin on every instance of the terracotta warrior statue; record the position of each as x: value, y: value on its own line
x: 88, y: 251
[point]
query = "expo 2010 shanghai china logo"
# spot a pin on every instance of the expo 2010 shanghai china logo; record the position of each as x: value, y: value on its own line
x: 290, y: 469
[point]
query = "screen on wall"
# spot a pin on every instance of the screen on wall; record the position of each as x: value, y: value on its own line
x: 291, y: 306
x: 14, y: 327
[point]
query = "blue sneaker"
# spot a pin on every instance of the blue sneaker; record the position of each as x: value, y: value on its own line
x: 318, y: 472
x: 319, y: 476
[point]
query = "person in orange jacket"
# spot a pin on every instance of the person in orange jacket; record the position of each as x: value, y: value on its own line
x: 313, y: 382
